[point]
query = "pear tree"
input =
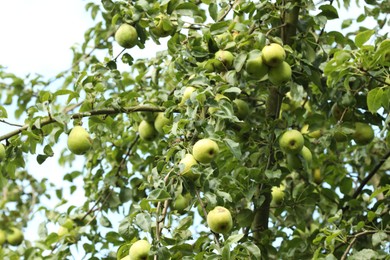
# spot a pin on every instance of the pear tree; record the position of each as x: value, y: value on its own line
x: 259, y: 131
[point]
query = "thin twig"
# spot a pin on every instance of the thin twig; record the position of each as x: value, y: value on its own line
x: 8, y: 123
x: 205, y: 216
x: 369, y: 176
x: 354, y: 240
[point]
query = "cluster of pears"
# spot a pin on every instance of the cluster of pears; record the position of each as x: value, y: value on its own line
x: 149, y: 129
x: 13, y: 236
x: 241, y: 107
x: 298, y: 156
x: 270, y: 60
x: 127, y: 36
x: 204, y: 151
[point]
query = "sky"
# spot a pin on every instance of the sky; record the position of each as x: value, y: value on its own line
x: 36, y: 36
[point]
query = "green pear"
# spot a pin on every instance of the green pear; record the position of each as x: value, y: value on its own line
x: 254, y: 66
x: 188, y: 161
x: 15, y: 236
x: 280, y: 74
x: 146, y: 131
x: 277, y: 195
x: 294, y: 161
x: 69, y: 223
x: 313, y: 134
x: 339, y: 136
x: 363, y: 134
x: 205, y: 150
x: 181, y: 202
x: 163, y: 26
x: 317, y: 178
x: 139, y: 250
x: 2, y: 152
x: 291, y: 141
x: 126, y: 36
x: 79, y: 141
x: 273, y: 54
x: 126, y: 258
x: 187, y: 94
x: 242, y: 108
x: 226, y: 57
x: 2, y: 237
x: 62, y: 231
x: 220, y: 220
x: 160, y: 122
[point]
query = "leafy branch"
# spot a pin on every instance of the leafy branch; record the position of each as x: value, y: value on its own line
x: 120, y: 167
x: 105, y: 111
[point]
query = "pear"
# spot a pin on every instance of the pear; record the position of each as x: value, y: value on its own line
x: 79, y: 141
x: 280, y: 74
x: 205, y: 150
x: 220, y: 220
x: 15, y: 236
x: 277, y: 193
x: 273, y: 54
x: 364, y: 134
x: 226, y: 57
x: 2, y: 237
x: 139, y: 250
x: 146, y: 131
x: 291, y: 141
x: 186, y: 94
x: 255, y: 66
x: 126, y: 36
x: 160, y: 122
x: 242, y: 109
x: 2, y: 152
x: 188, y: 161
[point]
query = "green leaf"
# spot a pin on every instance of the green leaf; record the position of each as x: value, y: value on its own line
x: 158, y: 195
x: 378, y: 238
x: 234, y: 238
x: 364, y: 255
x: 252, y: 249
x: 379, y: 191
x: 363, y: 37
x: 329, y: 12
x: 213, y: 11
x: 220, y: 27
x: 143, y: 220
x: 374, y: 99
x: 234, y: 148
x: 41, y: 158
x: 3, y: 112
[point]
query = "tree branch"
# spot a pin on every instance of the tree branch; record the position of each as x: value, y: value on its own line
x: 355, y: 237
x: 370, y: 175
x: 291, y: 20
x: 106, y: 111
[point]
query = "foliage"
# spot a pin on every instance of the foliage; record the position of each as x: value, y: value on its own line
x: 337, y: 80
